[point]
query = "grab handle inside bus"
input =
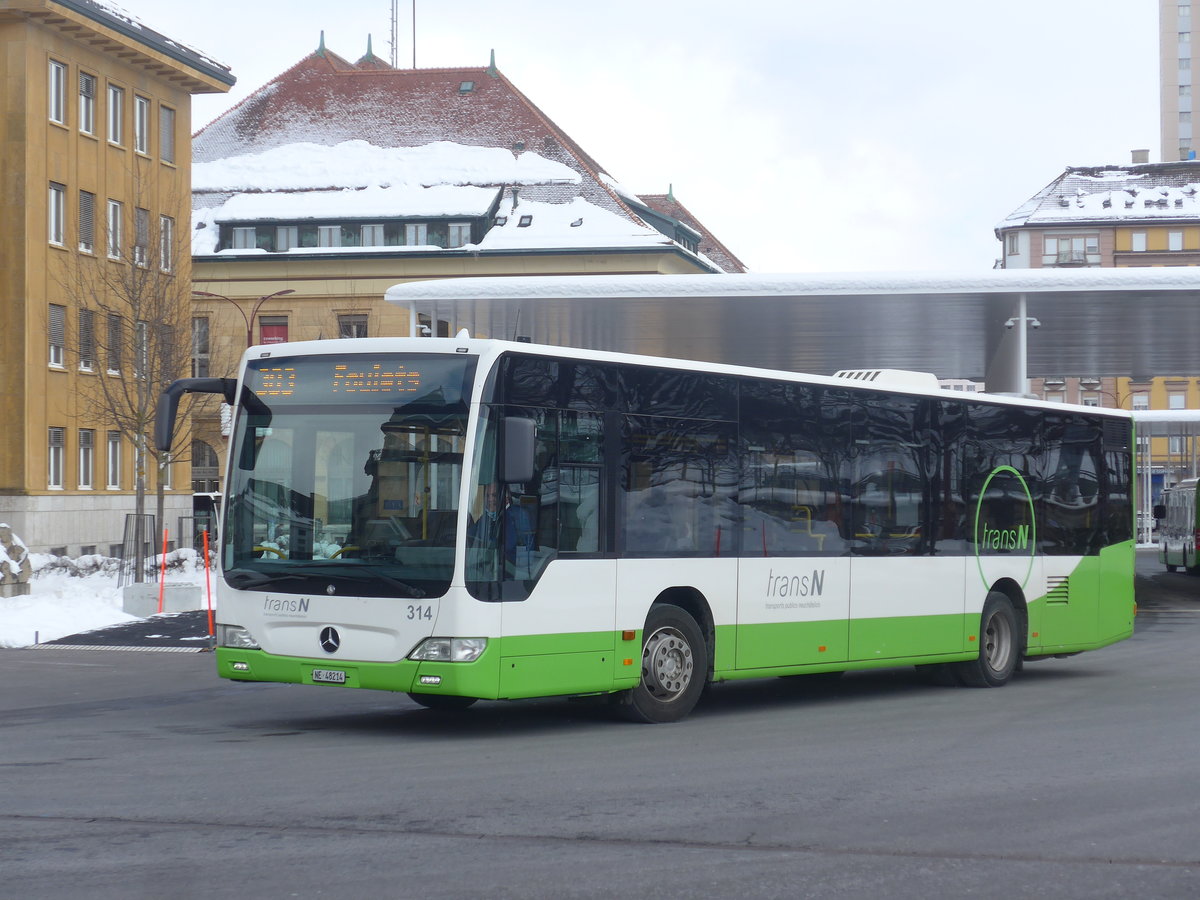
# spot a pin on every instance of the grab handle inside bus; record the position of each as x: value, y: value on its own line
x: 168, y: 404
x: 516, y: 465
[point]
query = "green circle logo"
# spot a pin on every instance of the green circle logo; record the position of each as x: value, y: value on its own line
x: 1005, y: 526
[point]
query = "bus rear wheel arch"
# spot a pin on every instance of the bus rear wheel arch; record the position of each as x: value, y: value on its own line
x: 674, y: 666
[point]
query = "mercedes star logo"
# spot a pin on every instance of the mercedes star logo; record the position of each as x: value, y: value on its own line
x: 331, y: 590
x: 330, y: 639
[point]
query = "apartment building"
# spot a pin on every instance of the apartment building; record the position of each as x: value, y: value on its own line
x: 95, y: 152
x: 1142, y: 214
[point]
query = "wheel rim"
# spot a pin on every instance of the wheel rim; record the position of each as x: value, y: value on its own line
x: 666, y: 664
x: 997, y: 643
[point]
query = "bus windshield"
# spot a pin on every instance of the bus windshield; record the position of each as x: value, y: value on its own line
x: 346, y: 474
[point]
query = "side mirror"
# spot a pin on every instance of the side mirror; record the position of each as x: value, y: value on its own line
x: 516, y: 464
x: 1160, y: 511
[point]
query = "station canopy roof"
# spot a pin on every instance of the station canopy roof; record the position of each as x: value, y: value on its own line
x: 1137, y: 322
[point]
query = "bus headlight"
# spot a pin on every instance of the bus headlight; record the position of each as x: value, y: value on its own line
x: 449, y: 649
x: 237, y: 637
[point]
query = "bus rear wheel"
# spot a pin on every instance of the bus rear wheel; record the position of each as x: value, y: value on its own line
x: 674, y: 668
x: 444, y: 702
x: 999, y: 647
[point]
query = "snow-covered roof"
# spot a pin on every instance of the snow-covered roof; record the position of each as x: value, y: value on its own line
x: 1095, y: 194
x: 334, y: 140
x: 121, y: 21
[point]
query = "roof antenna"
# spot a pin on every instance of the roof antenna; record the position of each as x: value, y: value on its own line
x: 395, y: 30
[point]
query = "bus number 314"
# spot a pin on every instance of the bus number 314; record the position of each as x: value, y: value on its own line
x: 419, y: 612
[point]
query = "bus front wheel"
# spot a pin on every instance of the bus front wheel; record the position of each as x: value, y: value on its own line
x: 674, y: 667
x: 999, y: 647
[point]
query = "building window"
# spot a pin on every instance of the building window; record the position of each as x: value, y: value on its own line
x: 329, y: 235
x: 1090, y: 400
x: 1012, y: 243
x: 244, y: 239
x: 1139, y: 401
x: 116, y: 114
x: 460, y: 234
x: 87, y: 103
x: 1177, y: 444
x: 352, y: 326
x: 1185, y: 65
x: 206, y: 469
x: 141, y: 349
x: 372, y: 235
x: 416, y: 235
x: 54, y: 459
x: 58, y: 206
x: 272, y: 329
x: 166, y: 243
x: 1138, y: 242
x: 141, y: 124
x: 199, y: 347
x: 141, y: 235
x: 287, y: 237
x: 115, y: 215
x: 87, y: 457
x: 113, y: 457
x: 1174, y: 240
x: 1055, y: 397
x: 165, y: 471
x: 58, y: 334
x: 87, y: 340
x: 87, y: 221
x: 166, y: 134
x: 58, y: 92
x: 116, y: 329
x: 1176, y: 400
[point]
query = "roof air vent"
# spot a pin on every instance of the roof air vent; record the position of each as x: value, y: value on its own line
x: 892, y: 378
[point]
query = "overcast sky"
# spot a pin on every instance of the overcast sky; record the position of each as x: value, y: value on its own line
x: 808, y: 135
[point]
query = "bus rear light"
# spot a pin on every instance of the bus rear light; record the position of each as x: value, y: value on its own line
x: 449, y: 649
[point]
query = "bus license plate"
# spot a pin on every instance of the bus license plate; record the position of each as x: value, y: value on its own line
x: 328, y: 676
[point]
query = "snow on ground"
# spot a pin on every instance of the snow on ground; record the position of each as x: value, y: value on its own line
x: 61, y: 604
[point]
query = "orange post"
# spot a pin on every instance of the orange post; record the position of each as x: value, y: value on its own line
x: 208, y: 585
x: 162, y: 572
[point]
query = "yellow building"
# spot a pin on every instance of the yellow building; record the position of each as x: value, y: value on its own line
x: 95, y: 157
x: 337, y: 180
x: 1142, y: 214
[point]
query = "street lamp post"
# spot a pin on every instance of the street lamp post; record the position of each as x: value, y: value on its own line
x: 249, y: 320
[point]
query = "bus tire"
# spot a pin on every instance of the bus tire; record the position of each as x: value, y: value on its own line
x: 1171, y: 568
x: 674, y: 668
x: 999, y: 645
x: 443, y: 702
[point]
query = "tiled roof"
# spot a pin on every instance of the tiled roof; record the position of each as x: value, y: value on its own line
x: 710, y: 246
x: 1096, y: 194
x: 324, y: 99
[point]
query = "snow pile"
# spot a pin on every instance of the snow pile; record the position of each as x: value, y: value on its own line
x: 69, y: 596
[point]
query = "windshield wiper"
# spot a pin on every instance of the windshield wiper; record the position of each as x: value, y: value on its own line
x: 249, y: 578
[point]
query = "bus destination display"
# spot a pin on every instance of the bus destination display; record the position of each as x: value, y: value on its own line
x: 312, y: 380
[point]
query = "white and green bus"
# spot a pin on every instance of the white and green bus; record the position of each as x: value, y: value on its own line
x: 464, y: 519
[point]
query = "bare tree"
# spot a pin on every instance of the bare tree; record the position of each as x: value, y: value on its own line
x: 135, y: 333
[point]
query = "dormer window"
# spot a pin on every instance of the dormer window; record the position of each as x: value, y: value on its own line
x: 466, y: 87
x: 525, y: 222
x: 501, y: 221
